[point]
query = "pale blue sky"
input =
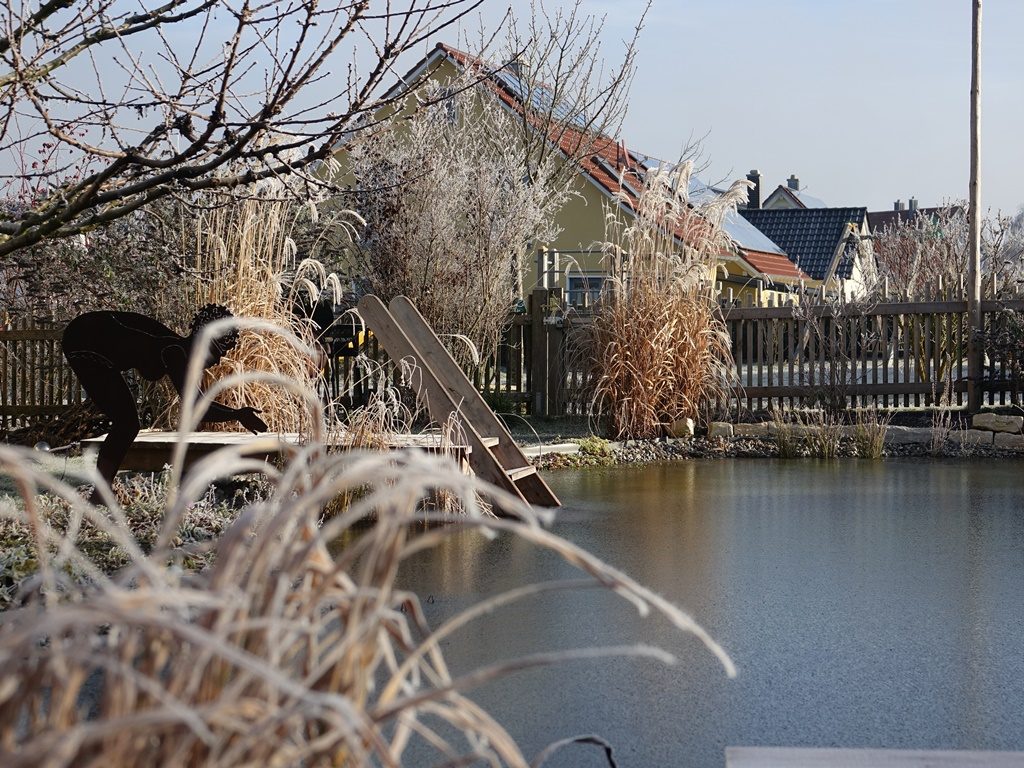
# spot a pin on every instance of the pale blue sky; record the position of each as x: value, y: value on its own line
x: 865, y: 100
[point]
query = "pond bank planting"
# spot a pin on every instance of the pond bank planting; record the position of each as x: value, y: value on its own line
x: 989, y: 435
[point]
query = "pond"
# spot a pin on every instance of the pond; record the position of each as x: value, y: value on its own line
x: 865, y: 604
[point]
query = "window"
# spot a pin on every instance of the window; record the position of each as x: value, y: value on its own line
x: 584, y: 290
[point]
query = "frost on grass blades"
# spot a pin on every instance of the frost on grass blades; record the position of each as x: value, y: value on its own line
x: 281, y: 650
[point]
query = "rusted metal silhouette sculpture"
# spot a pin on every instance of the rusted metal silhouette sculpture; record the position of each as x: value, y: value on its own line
x: 100, y: 346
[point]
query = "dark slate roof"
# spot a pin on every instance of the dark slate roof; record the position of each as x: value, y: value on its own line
x: 809, y: 236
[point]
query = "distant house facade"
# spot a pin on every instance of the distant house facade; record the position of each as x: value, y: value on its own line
x: 610, y: 175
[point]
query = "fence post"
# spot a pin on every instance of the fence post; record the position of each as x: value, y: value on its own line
x: 539, y: 350
x: 556, y: 371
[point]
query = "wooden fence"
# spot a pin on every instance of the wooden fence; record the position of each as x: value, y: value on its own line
x: 893, y: 352
x: 36, y: 383
x: 896, y: 352
x: 533, y: 371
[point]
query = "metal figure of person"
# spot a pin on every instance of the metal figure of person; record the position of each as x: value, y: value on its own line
x: 100, y: 346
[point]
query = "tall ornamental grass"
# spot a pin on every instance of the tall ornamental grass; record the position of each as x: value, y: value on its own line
x: 659, y: 347
x: 256, y: 255
x: 287, y: 649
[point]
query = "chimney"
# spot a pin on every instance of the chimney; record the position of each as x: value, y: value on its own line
x: 912, y: 204
x: 793, y: 182
x: 754, y: 193
x: 519, y: 69
x: 898, y: 206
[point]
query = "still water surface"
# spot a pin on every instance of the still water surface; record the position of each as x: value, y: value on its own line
x: 865, y: 604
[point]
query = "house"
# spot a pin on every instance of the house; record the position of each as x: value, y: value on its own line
x: 832, y: 245
x: 610, y: 174
x: 790, y: 196
x: 900, y: 214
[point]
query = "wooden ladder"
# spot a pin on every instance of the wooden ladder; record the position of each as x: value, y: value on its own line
x: 440, y: 381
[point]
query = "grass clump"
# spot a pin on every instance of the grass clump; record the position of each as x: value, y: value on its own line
x: 788, y: 442
x: 813, y: 433
x: 869, y: 429
x: 822, y: 434
x: 659, y: 348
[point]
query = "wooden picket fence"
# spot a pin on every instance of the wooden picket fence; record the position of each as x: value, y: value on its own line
x: 532, y: 372
x: 36, y: 383
x: 894, y: 352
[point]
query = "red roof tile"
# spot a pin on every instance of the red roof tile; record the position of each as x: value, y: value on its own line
x: 774, y: 265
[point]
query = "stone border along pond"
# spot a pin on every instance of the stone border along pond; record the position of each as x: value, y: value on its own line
x: 990, y: 435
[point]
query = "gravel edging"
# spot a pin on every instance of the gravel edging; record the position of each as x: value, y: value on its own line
x: 681, y: 449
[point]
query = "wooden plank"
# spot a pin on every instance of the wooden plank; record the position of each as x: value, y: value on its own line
x: 23, y: 332
x: 889, y: 349
x: 960, y: 319
x: 556, y: 371
x: 460, y: 391
x: 33, y: 410
x: 792, y: 352
x: 538, y: 351
x: 152, y: 449
x: 908, y: 388
x: 914, y: 338
x: 882, y: 309
x: 749, y: 329
x: 804, y: 757
x: 759, y: 352
x: 519, y: 473
x: 864, y: 348
x: 930, y: 374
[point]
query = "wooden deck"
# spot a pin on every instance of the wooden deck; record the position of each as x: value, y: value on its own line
x: 786, y: 757
x: 152, y: 449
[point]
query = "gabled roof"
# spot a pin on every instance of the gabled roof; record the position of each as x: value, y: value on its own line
x: 797, y: 198
x: 879, y: 220
x: 810, y: 235
x: 613, y: 168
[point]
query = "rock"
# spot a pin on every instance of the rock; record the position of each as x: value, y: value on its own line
x: 750, y: 430
x: 970, y: 437
x: 995, y: 422
x: 895, y: 435
x: 1009, y: 442
x: 720, y: 429
x: 682, y: 428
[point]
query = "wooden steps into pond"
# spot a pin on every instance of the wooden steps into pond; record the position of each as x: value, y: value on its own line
x: 442, y: 384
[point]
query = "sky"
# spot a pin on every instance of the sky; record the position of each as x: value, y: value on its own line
x: 865, y: 101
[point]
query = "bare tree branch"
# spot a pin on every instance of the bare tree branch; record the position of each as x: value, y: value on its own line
x: 191, y: 95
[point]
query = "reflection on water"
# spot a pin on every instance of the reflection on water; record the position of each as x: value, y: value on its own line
x: 866, y: 604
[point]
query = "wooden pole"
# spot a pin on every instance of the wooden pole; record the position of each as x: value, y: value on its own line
x: 974, y: 319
